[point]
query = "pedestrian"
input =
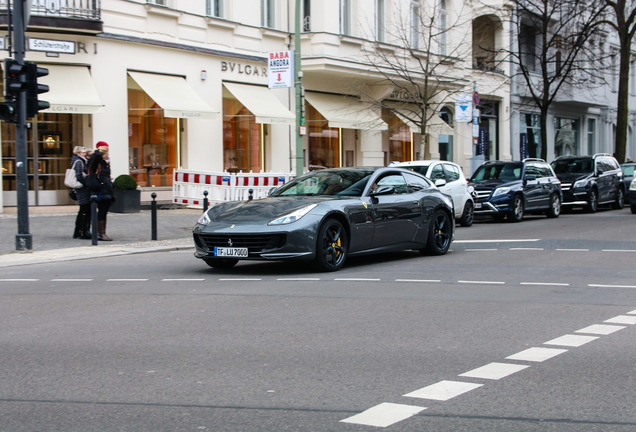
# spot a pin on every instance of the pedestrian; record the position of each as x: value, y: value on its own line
x: 89, y: 152
x: 79, y: 164
x: 99, y: 166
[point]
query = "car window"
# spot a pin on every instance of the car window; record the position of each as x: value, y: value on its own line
x: 532, y: 169
x: 547, y: 171
x: 422, y: 169
x: 326, y: 182
x: 452, y: 172
x: 612, y: 163
x: 504, y: 172
x: 395, y: 180
x: 416, y: 183
x: 628, y: 170
x: 573, y: 166
x: 437, y: 173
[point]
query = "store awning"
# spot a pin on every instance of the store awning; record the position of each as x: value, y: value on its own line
x: 71, y: 90
x: 344, y: 112
x: 407, y: 113
x: 173, y: 95
x: 262, y: 103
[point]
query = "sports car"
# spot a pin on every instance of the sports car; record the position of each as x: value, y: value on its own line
x: 328, y: 215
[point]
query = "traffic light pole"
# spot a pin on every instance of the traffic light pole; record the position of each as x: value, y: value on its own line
x: 23, y: 239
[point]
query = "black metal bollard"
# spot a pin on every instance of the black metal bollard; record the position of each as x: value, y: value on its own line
x: 250, y: 197
x: 153, y: 217
x: 94, y: 220
x: 205, y: 201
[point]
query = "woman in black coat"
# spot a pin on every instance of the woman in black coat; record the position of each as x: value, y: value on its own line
x: 83, y: 219
x: 99, y: 164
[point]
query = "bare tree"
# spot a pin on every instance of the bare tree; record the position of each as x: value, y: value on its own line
x: 624, y: 22
x: 552, y: 53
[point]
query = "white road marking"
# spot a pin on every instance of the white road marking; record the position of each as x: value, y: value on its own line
x: 600, y: 329
x: 357, y: 279
x: 71, y: 280
x: 497, y: 241
x: 298, y: 279
x: 622, y: 319
x: 536, y: 354
x: 126, y: 280
x: 443, y: 390
x: 573, y: 250
x: 419, y: 280
x: 480, y: 250
x: 19, y: 280
x: 384, y: 415
x: 632, y: 312
x: 481, y: 282
x: 239, y: 279
x: 494, y: 371
x: 571, y: 340
x: 182, y: 280
x: 618, y: 250
x: 545, y: 283
x: 526, y: 249
x: 610, y: 286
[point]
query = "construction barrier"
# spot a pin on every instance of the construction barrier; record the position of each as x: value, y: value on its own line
x: 188, y: 186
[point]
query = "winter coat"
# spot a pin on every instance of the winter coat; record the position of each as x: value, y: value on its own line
x: 81, y: 168
x: 97, y: 164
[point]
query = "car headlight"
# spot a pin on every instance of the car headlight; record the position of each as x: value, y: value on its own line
x: 293, y: 216
x: 501, y: 191
x: 580, y: 184
x: 204, y: 219
x: 632, y: 185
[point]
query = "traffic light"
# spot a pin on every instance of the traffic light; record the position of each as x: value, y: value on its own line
x: 34, y: 89
x: 14, y: 84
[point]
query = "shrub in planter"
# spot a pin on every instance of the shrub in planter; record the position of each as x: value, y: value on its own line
x: 127, y: 196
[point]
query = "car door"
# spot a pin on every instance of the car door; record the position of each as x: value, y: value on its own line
x: 456, y: 187
x: 604, y: 179
x: 396, y: 215
x: 533, y: 188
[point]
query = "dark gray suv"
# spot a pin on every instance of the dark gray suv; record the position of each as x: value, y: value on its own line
x: 590, y: 181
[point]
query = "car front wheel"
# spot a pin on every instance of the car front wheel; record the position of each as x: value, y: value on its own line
x: 516, y: 215
x: 555, y: 206
x: 332, y: 246
x: 592, y: 202
x: 468, y: 215
x: 440, y: 234
x: 620, y: 199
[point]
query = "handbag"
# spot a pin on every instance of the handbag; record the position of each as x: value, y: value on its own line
x: 72, y: 193
x: 70, y: 178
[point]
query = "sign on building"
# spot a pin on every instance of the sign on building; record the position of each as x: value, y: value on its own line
x: 280, y: 69
x: 464, y: 108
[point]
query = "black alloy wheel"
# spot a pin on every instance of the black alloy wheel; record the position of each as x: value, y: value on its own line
x: 555, y: 206
x: 468, y: 215
x: 221, y: 263
x: 439, y: 235
x: 620, y: 199
x: 332, y: 246
x: 516, y: 215
x: 592, y: 202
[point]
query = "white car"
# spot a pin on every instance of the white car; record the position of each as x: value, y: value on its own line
x: 450, y: 179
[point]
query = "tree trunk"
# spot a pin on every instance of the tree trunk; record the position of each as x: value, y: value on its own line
x: 543, y: 120
x: 622, y: 114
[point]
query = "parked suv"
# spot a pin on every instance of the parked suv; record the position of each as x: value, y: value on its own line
x: 513, y: 188
x: 589, y: 181
x: 449, y: 178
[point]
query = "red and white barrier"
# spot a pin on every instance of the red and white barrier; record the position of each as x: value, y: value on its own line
x: 188, y: 186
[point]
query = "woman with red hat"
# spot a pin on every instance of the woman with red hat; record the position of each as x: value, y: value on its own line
x: 99, y: 165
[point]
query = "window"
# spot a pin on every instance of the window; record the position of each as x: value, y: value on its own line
x: 415, y: 24
x: 591, y: 135
x: 306, y: 15
x: 379, y: 20
x: 158, y: 2
x: 345, y: 17
x: 447, y: 115
x: 268, y: 13
x: 632, y: 77
x: 438, y: 173
x: 532, y: 125
x: 566, y: 138
x: 613, y: 70
x: 443, y: 27
x: 452, y: 172
x: 214, y: 8
x: 528, y: 47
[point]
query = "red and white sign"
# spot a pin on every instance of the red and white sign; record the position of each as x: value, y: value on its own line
x: 280, y: 69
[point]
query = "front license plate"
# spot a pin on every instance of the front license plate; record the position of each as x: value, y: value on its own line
x: 230, y: 252
x: 477, y: 205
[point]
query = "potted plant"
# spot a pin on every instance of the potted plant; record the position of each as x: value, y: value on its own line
x: 127, y: 196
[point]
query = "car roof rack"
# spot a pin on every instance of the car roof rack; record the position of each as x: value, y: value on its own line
x: 532, y: 160
x: 602, y: 154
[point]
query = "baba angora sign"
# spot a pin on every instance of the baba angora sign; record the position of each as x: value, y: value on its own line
x: 280, y: 69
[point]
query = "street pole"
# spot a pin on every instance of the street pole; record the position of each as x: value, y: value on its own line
x: 23, y: 239
x: 300, y: 120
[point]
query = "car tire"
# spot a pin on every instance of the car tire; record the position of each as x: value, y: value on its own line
x: 440, y: 234
x: 516, y: 215
x: 332, y: 246
x: 555, y: 206
x: 468, y: 215
x: 221, y: 263
x: 620, y: 199
x: 592, y: 202
x: 633, y: 207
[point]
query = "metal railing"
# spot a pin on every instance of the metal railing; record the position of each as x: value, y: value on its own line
x: 78, y: 9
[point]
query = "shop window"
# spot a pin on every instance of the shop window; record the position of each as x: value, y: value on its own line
x: 324, y: 141
x: 152, y: 140
x: 400, y: 140
x: 241, y: 138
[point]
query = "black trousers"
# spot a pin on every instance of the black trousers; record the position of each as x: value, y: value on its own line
x: 83, y: 219
x: 102, y: 209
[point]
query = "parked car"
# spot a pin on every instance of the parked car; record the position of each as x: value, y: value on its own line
x: 327, y: 215
x: 632, y: 196
x: 450, y: 179
x: 628, y: 176
x: 511, y: 189
x: 590, y: 181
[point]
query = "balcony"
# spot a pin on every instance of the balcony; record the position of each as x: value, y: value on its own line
x: 61, y: 16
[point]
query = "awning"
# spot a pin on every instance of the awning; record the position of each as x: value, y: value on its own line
x: 173, y: 95
x: 262, y: 103
x: 71, y: 90
x: 346, y: 113
x: 406, y: 113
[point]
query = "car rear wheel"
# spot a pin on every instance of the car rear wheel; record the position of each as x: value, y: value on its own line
x: 555, y: 206
x: 332, y: 246
x: 516, y: 215
x: 468, y: 215
x: 620, y: 199
x: 439, y: 235
x: 633, y: 207
x: 592, y: 202
x: 221, y: 263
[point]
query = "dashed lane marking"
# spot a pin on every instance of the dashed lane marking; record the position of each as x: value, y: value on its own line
x: 571, y: 340
x: 480, y: 250
x: 526, y: 249
x: 536, y: 354
x: 298, y: 279
x: 481, y: 282
x: 384, y: 414
x: 71, y: 280
x: 357, y: 279
x: 618, y: 250
x: 182, y: 280
x: 600, y: 329
x: 419, y: 280
x: 497, y: 241
x: 19, y: 280
x: 494, y: 371
x: 610, y: 286
x: 572, y: 250
x: 240, y: 279
x: 544, y: 283
x: 127, y: 280
x: 622, y: 319
x: 443, y: 390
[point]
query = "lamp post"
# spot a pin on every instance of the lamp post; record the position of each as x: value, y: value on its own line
x: 300, y: 120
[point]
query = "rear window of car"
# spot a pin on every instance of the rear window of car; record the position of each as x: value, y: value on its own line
x: 503, y: 172
x: 573, y: 166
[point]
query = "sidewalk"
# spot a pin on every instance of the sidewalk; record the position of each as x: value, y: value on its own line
x: 52, y: 228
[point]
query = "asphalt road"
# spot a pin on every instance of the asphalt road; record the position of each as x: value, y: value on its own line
x: 520, y: 327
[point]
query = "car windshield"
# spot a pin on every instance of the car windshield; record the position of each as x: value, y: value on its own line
x: 628, y: 170
x: 327, y: 182
x: 505, y: 172
x: 422, y: 169
x: 573, y: 166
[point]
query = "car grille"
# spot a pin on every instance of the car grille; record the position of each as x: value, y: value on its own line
x: 566, y: 186
x: 253, y: 242
x: 483, y: 195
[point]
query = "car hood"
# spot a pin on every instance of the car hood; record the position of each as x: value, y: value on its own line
x: 492, y: 184
x: 571, y: 178
x: 261, y: 210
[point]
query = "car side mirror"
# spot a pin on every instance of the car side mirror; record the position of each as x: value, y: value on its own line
x: 440, y: 182
x: 384, y: 190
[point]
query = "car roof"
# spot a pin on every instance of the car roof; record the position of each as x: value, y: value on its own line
x: 419, y: 162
